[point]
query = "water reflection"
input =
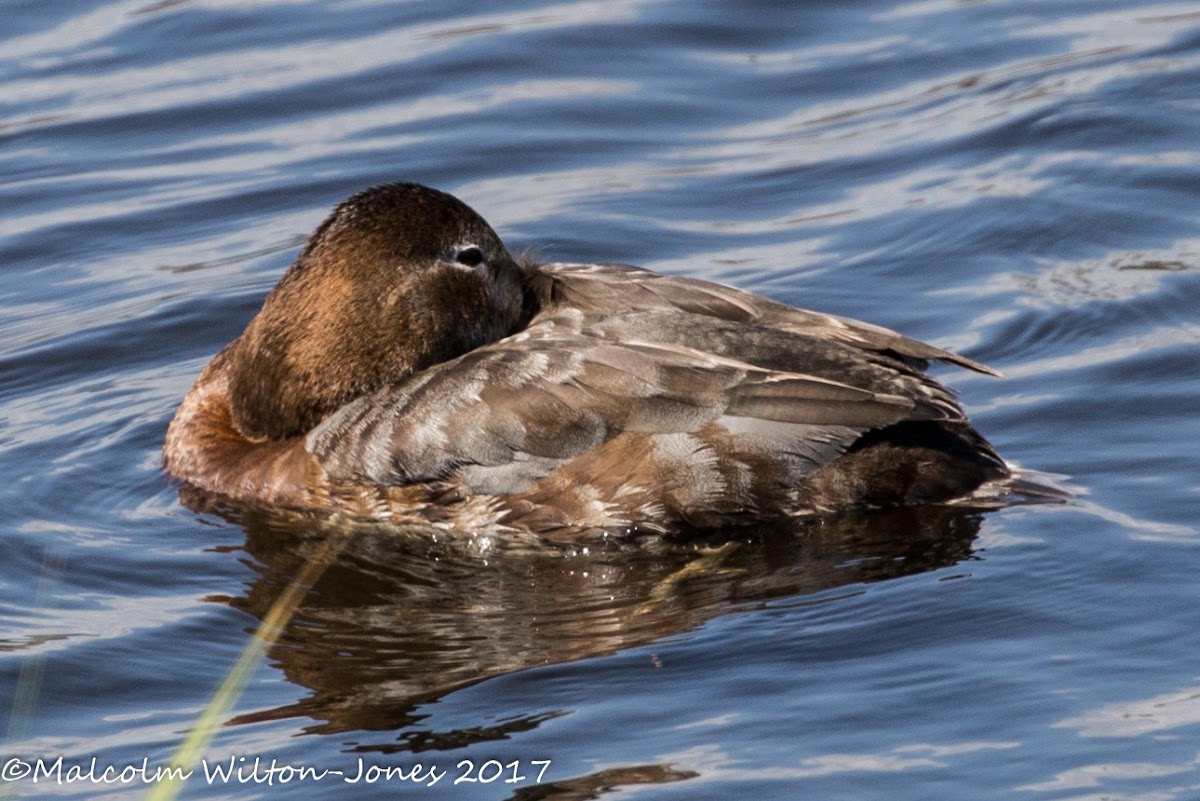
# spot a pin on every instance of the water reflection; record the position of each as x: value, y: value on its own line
x: 1117, y: 277
x: 1143, y: 716
x: 401, y: 617
x: 723, y: 767
x: 593, y: 785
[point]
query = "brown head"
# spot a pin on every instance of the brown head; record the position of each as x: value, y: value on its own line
x: 399, y: 277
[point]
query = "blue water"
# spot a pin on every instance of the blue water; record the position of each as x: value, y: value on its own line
x: 1016, y: 180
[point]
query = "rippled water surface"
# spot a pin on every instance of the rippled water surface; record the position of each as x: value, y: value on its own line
x: 1016, y: 180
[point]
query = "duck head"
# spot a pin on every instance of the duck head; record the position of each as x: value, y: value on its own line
x: 398, y: 278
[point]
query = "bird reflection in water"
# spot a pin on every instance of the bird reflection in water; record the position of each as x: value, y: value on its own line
x: 402, y: 617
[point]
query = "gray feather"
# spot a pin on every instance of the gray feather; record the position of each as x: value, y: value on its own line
x: 616, y: 350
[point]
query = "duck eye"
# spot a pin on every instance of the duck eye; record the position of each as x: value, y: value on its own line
x: 470, y: 256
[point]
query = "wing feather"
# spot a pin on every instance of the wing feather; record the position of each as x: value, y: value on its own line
x: 620, y: 352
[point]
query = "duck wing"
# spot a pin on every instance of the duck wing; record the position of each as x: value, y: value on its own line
x: 635, y: 399
x: 603, y: 288
x: 503, y: 416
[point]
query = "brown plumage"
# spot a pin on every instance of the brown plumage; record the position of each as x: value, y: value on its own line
x: 407, y: 368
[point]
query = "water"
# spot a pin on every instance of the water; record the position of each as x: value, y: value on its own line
x: 1016, y: 180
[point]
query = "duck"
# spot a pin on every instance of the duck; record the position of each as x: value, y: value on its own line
x: 407, y: 368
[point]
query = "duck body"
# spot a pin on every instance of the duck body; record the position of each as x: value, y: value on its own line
x: 407, y: 368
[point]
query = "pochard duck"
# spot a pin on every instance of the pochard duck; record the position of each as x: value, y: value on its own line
x: 407, y: 368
